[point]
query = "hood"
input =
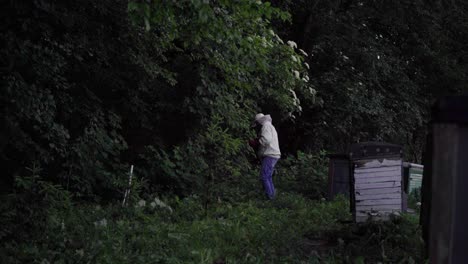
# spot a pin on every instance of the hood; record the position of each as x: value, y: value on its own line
x: 265, y: 119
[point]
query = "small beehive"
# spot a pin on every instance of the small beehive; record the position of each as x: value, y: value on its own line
x: 338, y: 175
x: 413, y: 174
x: 376, y: 182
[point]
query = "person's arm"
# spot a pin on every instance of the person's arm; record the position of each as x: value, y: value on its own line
x: 266, y: 136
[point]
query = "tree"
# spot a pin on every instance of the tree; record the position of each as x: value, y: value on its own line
x: 377, y: 67
x: 88, y: 90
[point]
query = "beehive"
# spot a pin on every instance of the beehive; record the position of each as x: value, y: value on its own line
x: 376, y: 181
x: 338, y: 175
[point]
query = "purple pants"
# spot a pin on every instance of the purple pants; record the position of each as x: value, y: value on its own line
x: 266, y: 173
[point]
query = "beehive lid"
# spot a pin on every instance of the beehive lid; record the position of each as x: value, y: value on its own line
x: 369, y: 150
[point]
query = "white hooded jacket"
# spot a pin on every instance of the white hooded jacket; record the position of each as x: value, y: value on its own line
x: 269, y: 145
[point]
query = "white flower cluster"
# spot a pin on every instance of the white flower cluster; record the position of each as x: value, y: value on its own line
x: 312, y: 91
x: 303, y: 52
x: 277, y: 37
x: 141, y: 203
x: 80, y: 252
x: 296, y: 101
x: 297, y: 74
x: 153, y: 204
x: 292, y: 44
x: 291, y: 115
x: 102, y: 222
x: 266, y: 43
x: 160, y: 204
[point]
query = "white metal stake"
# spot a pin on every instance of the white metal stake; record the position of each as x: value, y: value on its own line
x: 127, y: 191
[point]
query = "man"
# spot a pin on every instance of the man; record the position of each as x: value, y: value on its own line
x: 268, y: 151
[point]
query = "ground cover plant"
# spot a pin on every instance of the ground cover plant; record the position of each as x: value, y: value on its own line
x: 157, y: 228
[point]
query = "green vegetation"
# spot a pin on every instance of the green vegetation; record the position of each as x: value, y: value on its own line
x: 377, y: 66
x: 42, y: 224
x: 290, y: 229
x: 306, y: 174
x: 91, y: 87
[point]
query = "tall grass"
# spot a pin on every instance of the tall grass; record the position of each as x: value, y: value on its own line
x: 290, y: 229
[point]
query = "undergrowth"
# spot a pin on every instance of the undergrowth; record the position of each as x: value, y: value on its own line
x: 290, y: 229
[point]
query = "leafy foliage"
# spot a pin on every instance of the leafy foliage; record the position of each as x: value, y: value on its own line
x: 305, y: 174
x: 377, y: 67
x: 33, y: 207
x: 173, y: 86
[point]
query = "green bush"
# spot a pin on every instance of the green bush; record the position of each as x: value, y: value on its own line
x: 305, y: 174
x: 175, y: 82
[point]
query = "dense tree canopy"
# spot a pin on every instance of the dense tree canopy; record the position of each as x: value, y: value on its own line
x: 169, y: 86
x: 377, y: 66
x: 90, y: 87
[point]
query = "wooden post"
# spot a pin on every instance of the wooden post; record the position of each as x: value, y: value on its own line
x: 447, y: 212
